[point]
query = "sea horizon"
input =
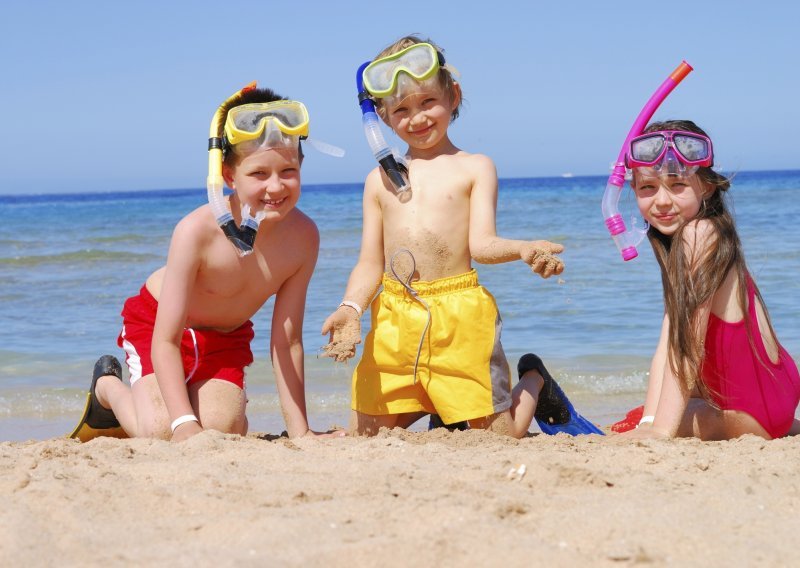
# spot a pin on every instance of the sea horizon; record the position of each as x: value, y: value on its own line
x: 134, y: 192
x: 69, y: 260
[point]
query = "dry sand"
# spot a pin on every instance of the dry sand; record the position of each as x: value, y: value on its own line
x: 399, y: 499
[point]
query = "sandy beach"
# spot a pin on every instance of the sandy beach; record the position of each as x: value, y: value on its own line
x: 399, y: 499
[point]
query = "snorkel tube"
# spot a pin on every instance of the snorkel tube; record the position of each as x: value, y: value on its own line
x: 626, y: 241
x: 396, y: 172
x: 244, y: 236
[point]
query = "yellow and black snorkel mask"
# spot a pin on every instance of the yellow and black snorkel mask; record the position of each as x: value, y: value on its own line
x: 271, y: 125
x: 248, y: 127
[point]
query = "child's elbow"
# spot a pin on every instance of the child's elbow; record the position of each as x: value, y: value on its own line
x: 288, y: 345
x: 482, y: 254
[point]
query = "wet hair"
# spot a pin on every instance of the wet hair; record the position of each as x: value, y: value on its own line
x: 444, y: 77
x: 258, y: 95
x: 688, y: 281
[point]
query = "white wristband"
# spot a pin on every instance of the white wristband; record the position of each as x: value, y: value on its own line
x: 646, y: 420
x: 183, y: 420
x: 353, y: 305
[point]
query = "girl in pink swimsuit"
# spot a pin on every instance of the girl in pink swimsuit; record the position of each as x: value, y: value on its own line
x: 718, y: 371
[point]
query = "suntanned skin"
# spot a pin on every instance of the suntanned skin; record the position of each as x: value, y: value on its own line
x: 667, y: 202
x: 446, y: 221
x: 207, y: 285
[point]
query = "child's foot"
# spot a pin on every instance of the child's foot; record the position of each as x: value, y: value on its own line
x: 95, y: 415
x: 554, y: 412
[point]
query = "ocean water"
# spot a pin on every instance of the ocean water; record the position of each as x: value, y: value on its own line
x: 67, y: 263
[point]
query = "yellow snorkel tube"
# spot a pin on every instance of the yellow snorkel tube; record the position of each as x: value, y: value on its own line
x: 244, y: 236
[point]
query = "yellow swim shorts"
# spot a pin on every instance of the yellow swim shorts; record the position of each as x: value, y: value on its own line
x: 462, y: 371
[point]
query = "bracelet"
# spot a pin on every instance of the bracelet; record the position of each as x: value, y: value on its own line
x: 183, y: 420
x: 353, y: 305
x: 646, y: 420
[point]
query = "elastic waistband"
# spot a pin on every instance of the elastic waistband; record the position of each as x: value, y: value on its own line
x: 147, y: 298
x: 433, y: 287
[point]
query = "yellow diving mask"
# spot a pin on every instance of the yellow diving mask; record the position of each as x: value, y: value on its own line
x: 421, y: 61
x: 277, y: 123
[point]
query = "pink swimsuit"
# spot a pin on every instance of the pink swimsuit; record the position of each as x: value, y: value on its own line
x: 739, y: 379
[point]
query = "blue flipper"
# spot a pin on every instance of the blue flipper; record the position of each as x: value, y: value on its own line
x: 554, y: 412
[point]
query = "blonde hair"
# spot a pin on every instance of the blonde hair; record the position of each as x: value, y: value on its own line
x: 444, y: 78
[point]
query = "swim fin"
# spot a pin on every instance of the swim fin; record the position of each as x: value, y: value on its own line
x: 630, y: 422
x: 554, y: 412
x: 437, y: 422
x: 96, y: 420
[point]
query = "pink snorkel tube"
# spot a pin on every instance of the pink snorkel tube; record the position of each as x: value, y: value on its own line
x: 626, y: 241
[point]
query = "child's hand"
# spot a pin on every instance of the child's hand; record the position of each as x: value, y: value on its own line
x: 644, y: 432
x: 344, y: 326
x: 186, y: 431
x: 541, y: 257
x: 328, y: 434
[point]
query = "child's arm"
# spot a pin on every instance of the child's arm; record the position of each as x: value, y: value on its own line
x: 657, y: 371
x: 667, y: 395
x: 344, y: 325
x: 286, y: 340
x: 484, y: 244
x: 183, y: 261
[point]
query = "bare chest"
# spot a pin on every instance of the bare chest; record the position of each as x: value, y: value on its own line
x: 230, y: 289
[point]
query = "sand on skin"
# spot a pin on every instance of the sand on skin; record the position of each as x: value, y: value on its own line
x: 399, y: 499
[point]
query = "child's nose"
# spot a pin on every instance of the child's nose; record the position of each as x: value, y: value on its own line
x: 417, y: 118
x: 663, y: 195
x: 273, y: 183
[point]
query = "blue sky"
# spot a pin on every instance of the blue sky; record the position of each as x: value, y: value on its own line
x: 113, y: 96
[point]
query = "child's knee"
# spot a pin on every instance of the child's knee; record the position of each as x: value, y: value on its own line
x: 157, y: 429
x: 501, y: 423
x: 227, y: 423
x: 369, y: 425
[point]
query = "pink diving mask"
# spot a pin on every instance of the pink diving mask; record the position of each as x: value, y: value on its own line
x: 678, y: 150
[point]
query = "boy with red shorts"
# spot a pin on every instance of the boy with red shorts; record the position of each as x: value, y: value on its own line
x: 187, y: 333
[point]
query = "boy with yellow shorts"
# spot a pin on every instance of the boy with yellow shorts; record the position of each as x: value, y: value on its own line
x: 434, y: 346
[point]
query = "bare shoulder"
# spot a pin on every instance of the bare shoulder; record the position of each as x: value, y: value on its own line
x: 198, y: 226
x: 376, y: 181
x: 477, y: 160
x: 304, y: 232
x: 480, y: 167
x: 699, y: 238
x: 699, y: 233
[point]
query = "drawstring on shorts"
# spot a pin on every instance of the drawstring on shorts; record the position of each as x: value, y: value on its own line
x: 407, y: 285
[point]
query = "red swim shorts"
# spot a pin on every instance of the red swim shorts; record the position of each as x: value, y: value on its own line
x: 206, y: 354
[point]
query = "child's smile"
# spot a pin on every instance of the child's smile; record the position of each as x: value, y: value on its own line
x: 421, y: 118
x: 667, y: 202
x: 268, y: 180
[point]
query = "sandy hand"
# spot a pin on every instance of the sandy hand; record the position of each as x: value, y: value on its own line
x: 344, y: 327
x: 541, y: 257
x: 335, y: 433
x: 643, y: 432
x: 186, y: 431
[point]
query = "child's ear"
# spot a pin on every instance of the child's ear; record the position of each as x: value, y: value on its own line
x: 227, y: 175
x: 381, y: 110
x: 708, y: 189
x: 455, y: 95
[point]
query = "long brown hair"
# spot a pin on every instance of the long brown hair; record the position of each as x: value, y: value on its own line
x: 690, y: 281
